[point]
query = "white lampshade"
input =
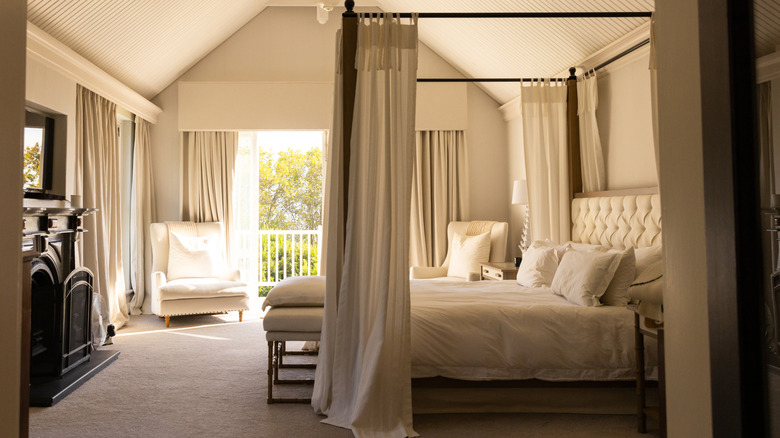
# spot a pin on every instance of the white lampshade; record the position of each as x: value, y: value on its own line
x: 520, y: 192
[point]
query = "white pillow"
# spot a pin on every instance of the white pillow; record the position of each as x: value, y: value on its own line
x: 547, y: 243
x: 297, y: 292
x: 617, y: 292
x: 583, y: 276
x: 649, y: 285
x: 538, y: 266
x: 647, y: 256
x: 467, y: 253
x: 193, y: 257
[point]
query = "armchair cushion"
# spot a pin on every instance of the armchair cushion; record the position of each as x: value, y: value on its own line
x: 187, y: 288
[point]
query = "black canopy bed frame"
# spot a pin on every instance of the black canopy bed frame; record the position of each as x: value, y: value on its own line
x: 349, y: 47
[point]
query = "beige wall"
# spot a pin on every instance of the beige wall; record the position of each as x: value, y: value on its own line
x: 682, y: 191
x: 13, y: 15
x: 50, y: 91
x: 287, y: 45
x: 625, y: 125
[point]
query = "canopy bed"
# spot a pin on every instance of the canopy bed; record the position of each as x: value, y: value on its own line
x: 363, y: 376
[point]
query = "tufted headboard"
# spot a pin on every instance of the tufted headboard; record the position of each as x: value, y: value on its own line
x: 617, y: 221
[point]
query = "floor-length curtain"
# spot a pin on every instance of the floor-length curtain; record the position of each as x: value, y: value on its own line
x: 546, y: 164
x: 592, y: 158
x: 654, y: 98
x: 331, y: 255
x: 207, y: 183
x: 439, y: 193
x: 143, y: 213
x: 363, y: 379
x: 96, y: 136
x: 765, y: 134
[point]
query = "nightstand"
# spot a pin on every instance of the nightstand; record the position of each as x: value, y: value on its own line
x: 498, y: 271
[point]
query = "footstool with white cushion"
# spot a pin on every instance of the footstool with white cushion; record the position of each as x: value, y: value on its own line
x: 295, y: 314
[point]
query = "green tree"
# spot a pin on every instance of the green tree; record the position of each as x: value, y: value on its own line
x: 290, y: 190
x: 32, y: 165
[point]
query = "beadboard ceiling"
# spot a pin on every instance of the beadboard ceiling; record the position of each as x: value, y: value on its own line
x: 147, y: 44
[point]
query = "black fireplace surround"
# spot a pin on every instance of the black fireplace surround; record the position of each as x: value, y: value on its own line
x: 60, y: 315
x: 62, y: 356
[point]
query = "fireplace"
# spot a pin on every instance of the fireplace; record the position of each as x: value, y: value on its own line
x: 62, y: 355
x: 60, y: 317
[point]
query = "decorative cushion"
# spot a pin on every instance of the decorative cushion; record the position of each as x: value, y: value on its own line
x: 617, y: 292
x: 466, y: 254
x: 193, y: 257
x: 187, y: 288
x: 647, y: 256
x: 538, y: 267
x: 297, y: 292
x: 583, y: 276
x: 648, y: 291
x: 648, y: 285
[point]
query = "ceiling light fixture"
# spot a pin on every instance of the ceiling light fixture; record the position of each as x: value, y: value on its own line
x: 322, y: 12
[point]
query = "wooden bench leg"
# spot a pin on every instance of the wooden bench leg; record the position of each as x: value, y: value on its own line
x: 639, y: 345
x: 240, y: 315
x: 275, y: 350
x: 167, y: 321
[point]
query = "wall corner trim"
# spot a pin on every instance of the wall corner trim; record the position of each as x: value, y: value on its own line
x: 53, y: 53
x: 511, y: 109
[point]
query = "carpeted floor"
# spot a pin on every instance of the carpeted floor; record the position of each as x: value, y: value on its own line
x: 205, y: 376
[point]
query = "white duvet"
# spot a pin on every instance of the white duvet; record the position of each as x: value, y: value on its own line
x: 490, y: 330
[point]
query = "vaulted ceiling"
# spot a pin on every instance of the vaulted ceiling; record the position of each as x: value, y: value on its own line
x: 147, y: 44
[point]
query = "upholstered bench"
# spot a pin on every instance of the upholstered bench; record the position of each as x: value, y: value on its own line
x: 295, y: 314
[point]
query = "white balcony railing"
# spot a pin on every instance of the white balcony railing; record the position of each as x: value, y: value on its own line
x: 277, y: 254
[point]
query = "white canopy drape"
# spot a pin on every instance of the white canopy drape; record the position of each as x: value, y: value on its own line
x: 439, y: 193
x: 209, y: 167
x: 592, y: 157
x: 363, y: 379
x: 142, y: 215
x: 654, y: 97
x: 96, y: 136
x: 546, y: 166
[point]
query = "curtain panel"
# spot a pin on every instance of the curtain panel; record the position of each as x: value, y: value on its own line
x: 439, y: 193
x: 363, y: 377
x: 142, y: 215
x: 765, y: 136
x: 546, y: 159
x: 592, y: 157
x: 207, y: 184
x: 653, y: 67
x: 96, y: 137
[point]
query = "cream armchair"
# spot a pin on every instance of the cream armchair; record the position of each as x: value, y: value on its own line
x: 188, y: 280
x: 498, y: 239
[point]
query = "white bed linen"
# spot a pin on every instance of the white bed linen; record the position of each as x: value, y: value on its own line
x: 499, y: 330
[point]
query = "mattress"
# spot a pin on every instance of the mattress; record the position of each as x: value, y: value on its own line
x: 499, y: 330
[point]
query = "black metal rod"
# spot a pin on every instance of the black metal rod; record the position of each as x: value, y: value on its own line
x: 487, y: 79
x: 511, y: 14
x: 622, y: 54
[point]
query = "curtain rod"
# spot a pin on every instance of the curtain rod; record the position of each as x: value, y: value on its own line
x: 622, y: 54
x: 508, y: 14
x: 571, y: 70
x: 350, y: 5
x: 487, y: 79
